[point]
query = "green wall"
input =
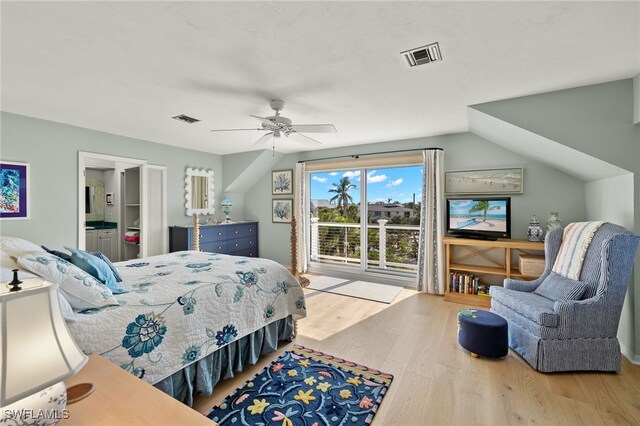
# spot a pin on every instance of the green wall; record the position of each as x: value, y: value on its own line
x: 52, y: 150
x: 545, y: 188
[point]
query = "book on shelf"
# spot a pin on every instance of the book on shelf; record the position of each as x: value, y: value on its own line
x: 467, y: 284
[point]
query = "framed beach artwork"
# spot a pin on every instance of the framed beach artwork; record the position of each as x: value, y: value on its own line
x: 484, y: 181
x: 282, y: 182
x: 282, y: 210
x: 14, y: 192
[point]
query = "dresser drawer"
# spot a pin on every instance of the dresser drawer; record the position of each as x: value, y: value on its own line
x: 240, y: 231
x: 241, y: 244
x: 215, y: 247
x: 213, y: 233
x: 252, y: 252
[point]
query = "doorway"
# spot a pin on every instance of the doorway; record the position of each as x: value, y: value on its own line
x: 128, y: 198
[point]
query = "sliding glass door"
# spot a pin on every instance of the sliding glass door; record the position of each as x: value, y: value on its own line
x: 366, y: 219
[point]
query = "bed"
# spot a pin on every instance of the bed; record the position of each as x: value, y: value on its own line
x: 188, y: 319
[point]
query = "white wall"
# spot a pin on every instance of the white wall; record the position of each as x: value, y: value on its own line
x: 612, y: 200
x: 636, y: 99
x: 112, y: 185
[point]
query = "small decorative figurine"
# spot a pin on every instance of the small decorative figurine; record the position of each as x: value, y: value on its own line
x: 534, y: 231
x: 554, y: 222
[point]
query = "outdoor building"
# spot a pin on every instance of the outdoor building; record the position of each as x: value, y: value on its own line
x: 390, y: 210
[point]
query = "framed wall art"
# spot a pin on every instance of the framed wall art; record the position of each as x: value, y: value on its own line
x: 282, y: 182
x: 282, y: 210
x: 484, y: 181
x: 14, y: 190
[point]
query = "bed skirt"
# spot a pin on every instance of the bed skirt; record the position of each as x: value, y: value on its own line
x: 201, y: 377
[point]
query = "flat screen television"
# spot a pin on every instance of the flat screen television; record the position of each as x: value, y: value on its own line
x: 479, y: 217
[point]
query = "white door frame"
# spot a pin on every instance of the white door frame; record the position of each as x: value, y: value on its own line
x: 82, y: 161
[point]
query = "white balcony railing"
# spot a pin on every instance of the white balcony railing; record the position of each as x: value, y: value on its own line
x: 389, y: 247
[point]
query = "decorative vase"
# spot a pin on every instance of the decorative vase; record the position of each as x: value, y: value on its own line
x: 534, y: 231
x: 554, y: 222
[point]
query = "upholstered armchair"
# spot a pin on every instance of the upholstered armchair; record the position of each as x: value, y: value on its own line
x: 571, y: 335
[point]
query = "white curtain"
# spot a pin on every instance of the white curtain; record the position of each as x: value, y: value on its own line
x: 430, y: 256
x: 301, y: 218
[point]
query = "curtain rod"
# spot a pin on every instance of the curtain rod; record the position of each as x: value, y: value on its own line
x: 371, y: 153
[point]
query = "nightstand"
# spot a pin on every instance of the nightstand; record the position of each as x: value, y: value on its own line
x: 121, y: 398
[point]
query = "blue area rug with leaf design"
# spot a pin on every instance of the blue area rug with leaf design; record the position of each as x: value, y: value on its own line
x: 306, y: 387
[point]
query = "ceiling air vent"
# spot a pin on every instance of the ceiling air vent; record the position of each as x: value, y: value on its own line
x: 423, y: 55
x: 185, y: 119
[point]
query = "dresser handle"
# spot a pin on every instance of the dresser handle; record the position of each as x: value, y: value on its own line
x: 236, y: 245
x: 219, y: 233
x: 236, y: 232
x: 250, y: 242
x: 219, y: 248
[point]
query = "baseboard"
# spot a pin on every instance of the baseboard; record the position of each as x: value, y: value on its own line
x: 628, y: 354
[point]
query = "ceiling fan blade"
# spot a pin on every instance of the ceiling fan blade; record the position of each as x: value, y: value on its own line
x: 302, y: 138
x: 233, y: 130
x: 264, y: 121
x: 263, y: 139
x: 314, y: 128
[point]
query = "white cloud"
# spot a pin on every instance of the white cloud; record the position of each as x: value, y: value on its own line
x: 394, y: 183
x: 319, y: 179
x: 333, y: 174
x: 352, y: 175
x: 373, y: 178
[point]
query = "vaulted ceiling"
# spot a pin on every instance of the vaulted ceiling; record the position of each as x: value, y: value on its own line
x: 128, y: 67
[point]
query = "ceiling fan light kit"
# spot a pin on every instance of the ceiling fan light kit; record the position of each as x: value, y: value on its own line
x: 277, y: 126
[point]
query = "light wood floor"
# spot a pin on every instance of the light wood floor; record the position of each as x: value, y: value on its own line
x: 437, y: 382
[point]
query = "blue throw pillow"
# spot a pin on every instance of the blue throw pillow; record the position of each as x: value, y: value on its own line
x: 556, y: 287
x: 111, y: 266
x: 95, y: 267
x: 62, y: 255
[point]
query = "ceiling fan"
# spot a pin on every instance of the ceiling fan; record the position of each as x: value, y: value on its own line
x: 278, y: 126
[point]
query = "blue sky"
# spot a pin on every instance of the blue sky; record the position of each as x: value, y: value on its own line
x: 397, y: 183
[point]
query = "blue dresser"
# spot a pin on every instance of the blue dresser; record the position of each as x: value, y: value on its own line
x: 238, y: 239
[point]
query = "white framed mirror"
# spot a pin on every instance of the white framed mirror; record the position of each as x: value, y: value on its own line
x: 199, y: 192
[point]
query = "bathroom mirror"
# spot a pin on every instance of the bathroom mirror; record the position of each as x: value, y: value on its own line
x: 199, y: 192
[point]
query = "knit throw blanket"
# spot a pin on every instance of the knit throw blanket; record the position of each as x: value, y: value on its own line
x: 575, y: 242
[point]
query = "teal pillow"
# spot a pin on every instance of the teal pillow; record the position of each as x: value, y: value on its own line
x: 95, y: 267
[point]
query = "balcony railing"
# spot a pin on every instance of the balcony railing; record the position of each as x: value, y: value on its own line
x: 389, y: 247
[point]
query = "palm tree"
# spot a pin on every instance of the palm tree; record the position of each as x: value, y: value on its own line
x: 483, y: 206
x: 341, y: 190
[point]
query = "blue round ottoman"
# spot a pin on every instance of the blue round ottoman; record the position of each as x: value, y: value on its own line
x: 483, y: 333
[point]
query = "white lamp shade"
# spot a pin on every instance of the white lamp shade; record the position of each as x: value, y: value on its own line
x: 36, y: 349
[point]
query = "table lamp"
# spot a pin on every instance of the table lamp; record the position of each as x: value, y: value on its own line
x: 36, y: 352
x: 227, y: 203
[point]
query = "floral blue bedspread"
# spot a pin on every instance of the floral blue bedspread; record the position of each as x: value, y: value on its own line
x: 183, y: 306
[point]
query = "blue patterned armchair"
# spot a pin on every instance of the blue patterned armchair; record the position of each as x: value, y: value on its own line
x: 572, y: 335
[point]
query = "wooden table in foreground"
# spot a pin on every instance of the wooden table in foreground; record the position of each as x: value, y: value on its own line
x: 120, y: 398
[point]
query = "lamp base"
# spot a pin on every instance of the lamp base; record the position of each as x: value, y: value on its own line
x: 43, y: 408
x: 80, y: 391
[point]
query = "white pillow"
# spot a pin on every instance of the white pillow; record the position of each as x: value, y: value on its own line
x: 82, y: 290
x: 65, y: 308
x: 6, y: 266
x: 16, y: 247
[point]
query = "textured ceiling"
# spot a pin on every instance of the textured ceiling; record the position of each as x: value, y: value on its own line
x: 127, y: 67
